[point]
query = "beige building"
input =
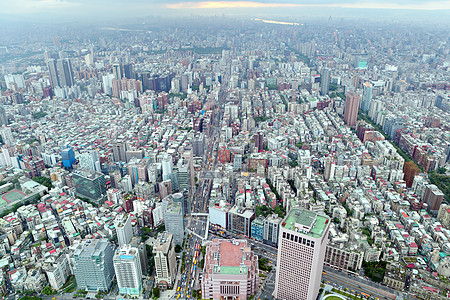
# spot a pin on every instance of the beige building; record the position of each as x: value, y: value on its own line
x: 165, y: 260
x: 302, y: 243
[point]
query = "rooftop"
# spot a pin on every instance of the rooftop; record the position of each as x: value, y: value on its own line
x: 306, y: 221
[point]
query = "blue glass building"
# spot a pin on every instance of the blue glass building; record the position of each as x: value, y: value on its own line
x: 68, y: 156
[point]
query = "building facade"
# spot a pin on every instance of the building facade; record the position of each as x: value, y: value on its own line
x: 127, y: 266
x: 165, y: 260
x: 230, y: 271
x: 174, y: 221
x: 124, y: 229
x: 301, y: 251
x: 351, y: 108
x: 93, y: 265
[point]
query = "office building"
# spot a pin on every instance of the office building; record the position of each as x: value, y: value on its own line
x: 325, y: 81
x: 239, y: 220
x: 301, y: 251
x: 174, y: 221
x: 167, y: 168
x: 165, y: 260
x: 68, y: 156
x: 138, y: 170
x: 61, y: 73
x: 230, y: 271
x: 119, y: 152
x: 93, y: 265
x: 14, y: 80
x: 257, y: 229
x: 271, y: 229
x: 367, y: 97
x: 198, y: 144
x: 433, y: 197
x: 3, y: 116
x: 351, y: 108
x: 89, y: 161
x: 127, y: 266
x: 7, y: 136
x: 90, y: 185
x: 124, y: 229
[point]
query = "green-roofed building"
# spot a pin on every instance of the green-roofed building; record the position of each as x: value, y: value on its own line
x: 302, y: 243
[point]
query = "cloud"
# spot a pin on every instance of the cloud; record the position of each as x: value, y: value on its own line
x: 36, y: 6
x: 414, y: 5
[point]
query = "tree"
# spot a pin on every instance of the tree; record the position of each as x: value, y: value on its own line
x: 178, y: 248
x: 156, y: 292
x: 48, y: 291
x: 44, y: 181
x: 30, y: 298
x: 442, y: 170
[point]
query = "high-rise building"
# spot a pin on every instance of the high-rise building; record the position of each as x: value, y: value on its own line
x: 7, y: 136
x: 127, y: 265
x: 167, y: 168
x: 231, y: 270
x: 257, y: 228
x: 367, y: 97
x: 433, y: 197
x: 68, y: 156
x: 239, y: 220
x: 93, y: 265
x: 14, y: 79
x: 351, y: 108
x: 174, y: 221
x: 271, y: 229
x: 119, y: 151
x: 165, y: 260
x: 117, y: 71
x: 301, y: 252
x: 124, y: 229
x: 90, y: 185
x: 325, y: 81
x: 198, y: 144
x: 90, y: 161
x: 61, y: 73
x: 138, y: 170
x: 3, y: 116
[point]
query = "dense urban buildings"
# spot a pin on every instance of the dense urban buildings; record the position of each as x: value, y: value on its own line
x: 309, y: 142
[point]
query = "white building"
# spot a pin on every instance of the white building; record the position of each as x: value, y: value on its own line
x: 124, y: 229
x: 127, y: 266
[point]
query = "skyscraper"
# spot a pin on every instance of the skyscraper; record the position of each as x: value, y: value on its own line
x: 301, y: 251
x: 90, y: 161
x: 123, y: 229
x: 325, y: 81
x: 174, y: 221
x: 165, y: 260
x: 127, y: 266
x: 119, y: 151
x: 3, y: 116
x: 68, y: 156
x: 367, y: 97
x: 61, y: 73
x: 93, y: 265
x: 351, y: 108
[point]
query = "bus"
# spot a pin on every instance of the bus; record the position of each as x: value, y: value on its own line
x: 178, y: 289
x: 365, y: 294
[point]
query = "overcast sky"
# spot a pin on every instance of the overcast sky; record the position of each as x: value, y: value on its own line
x: 109, y: 9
